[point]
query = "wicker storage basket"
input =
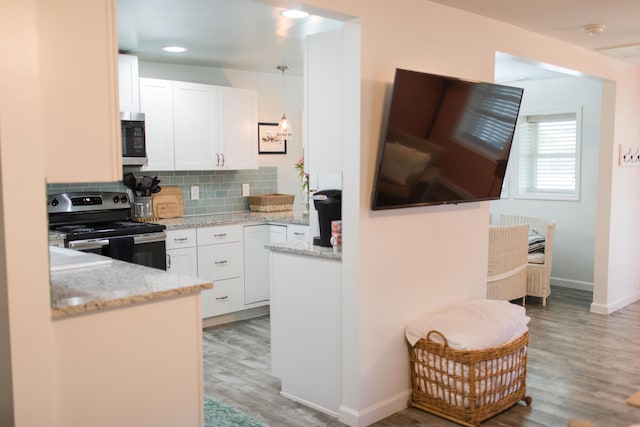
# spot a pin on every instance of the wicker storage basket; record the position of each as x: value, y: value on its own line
x: 468, y: 387
x: 271, y: 202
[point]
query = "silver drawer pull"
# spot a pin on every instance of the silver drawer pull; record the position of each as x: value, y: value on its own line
x: 222, y: 298
x: 220, y: 236
x: 297, y: 233
x: 181, y: 239
x: 220, y: 262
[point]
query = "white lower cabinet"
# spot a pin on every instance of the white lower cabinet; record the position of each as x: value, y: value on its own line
x: 225, y: 297
x: 256, y: 261
x: 220, y: 260
x: 233, y: 257
x: 182, y: 254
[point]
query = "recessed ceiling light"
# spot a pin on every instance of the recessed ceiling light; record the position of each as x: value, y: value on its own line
x: 174, y: 49
x: 295, y: 14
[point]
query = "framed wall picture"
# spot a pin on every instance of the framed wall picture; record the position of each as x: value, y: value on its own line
x: 268, y: 142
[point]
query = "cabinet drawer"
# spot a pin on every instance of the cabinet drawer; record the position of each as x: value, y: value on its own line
x: 218, y: 262
x: 225, y: 297
x: 297, y: 232
x: 219, y: 234
x: 185, y: 238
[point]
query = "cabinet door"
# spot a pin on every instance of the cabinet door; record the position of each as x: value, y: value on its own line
x: 78, y: 87
x: 156, y: 102
x: 277, y: 234
x: 256, y: 269
x: 256, y: 259
x: 325, y: 102
x: 238, y: 120
x: 195, y: 115
x: 128, y: 83
x: 182, y: 261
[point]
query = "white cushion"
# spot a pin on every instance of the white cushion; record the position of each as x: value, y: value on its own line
x: 536, y: 258
x: 474, y: 325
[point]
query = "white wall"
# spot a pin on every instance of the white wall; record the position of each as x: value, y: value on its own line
x: 411, y: 261
x: 27, y: 391
x: 574, y: 240
x: 273, y: 100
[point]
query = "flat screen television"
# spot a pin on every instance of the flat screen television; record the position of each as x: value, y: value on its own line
x: 446, y: 141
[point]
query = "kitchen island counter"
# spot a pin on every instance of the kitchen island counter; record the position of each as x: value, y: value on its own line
x: 118, y: 324
x: 306, y: 323
x: 116, y: 284
x: 305, y: 247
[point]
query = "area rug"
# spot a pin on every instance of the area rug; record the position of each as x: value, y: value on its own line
x: 218, y: 414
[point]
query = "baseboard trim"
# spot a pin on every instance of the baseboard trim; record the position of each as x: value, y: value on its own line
x: 616, y: 305
x: 572, y: 284
x: 309, y: 404
x: 235, y: 316
x: 375, y: 412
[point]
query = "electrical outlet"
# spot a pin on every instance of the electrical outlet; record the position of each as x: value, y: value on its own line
x: 245, y: 190
x: 195, y: 192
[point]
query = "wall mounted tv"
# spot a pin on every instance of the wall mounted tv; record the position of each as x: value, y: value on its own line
x: 447, y: 141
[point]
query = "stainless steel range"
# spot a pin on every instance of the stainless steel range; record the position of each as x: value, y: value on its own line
x: 100, y: 222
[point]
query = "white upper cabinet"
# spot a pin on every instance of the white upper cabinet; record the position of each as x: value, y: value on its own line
x: 325, y: 102
x: 156, y: 101
x: 195, y: 126
x: 79, y: 90
x: 192, y: 126
x: 239, y: 136
x: 128, y: 83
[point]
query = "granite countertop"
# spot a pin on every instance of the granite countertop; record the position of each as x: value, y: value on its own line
x: 305, y: 247
x: 286, y: 217
x: 117, y: 284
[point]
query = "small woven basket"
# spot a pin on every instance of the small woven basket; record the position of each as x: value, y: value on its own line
x: 273, y: 202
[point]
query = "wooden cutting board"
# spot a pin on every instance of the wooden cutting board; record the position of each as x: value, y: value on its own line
x: 168, y: 203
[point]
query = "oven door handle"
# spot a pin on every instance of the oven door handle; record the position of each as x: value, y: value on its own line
x: 83, y: 245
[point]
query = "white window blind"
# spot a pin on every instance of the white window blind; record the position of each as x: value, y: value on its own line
x: 548, y: 155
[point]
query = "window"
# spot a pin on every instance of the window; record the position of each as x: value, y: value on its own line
x: 549, y: 156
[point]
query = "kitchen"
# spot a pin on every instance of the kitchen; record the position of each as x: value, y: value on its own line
x: 212, y: 235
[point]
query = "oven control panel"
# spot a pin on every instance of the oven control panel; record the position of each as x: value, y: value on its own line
x: 87, y: 201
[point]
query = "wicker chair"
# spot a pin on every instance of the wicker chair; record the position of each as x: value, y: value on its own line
x: 538, y: 273
x: 507, y: 271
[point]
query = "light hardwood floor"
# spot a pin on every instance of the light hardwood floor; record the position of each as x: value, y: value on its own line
x: 581, y: 366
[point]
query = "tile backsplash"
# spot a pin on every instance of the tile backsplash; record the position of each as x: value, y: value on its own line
x: 220, y: 191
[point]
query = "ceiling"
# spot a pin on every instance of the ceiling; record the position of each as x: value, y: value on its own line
x: 252, y: 35
x: 237, y: 34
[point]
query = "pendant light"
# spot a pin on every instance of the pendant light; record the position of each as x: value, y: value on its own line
x: 284, y: 127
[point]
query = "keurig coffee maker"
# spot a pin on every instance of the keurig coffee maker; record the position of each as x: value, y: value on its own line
x: 328, y: 203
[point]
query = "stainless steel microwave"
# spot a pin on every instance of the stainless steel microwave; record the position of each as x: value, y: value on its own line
x: 134, y: 148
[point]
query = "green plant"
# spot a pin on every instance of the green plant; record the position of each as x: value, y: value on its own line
x: 304, y: 179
